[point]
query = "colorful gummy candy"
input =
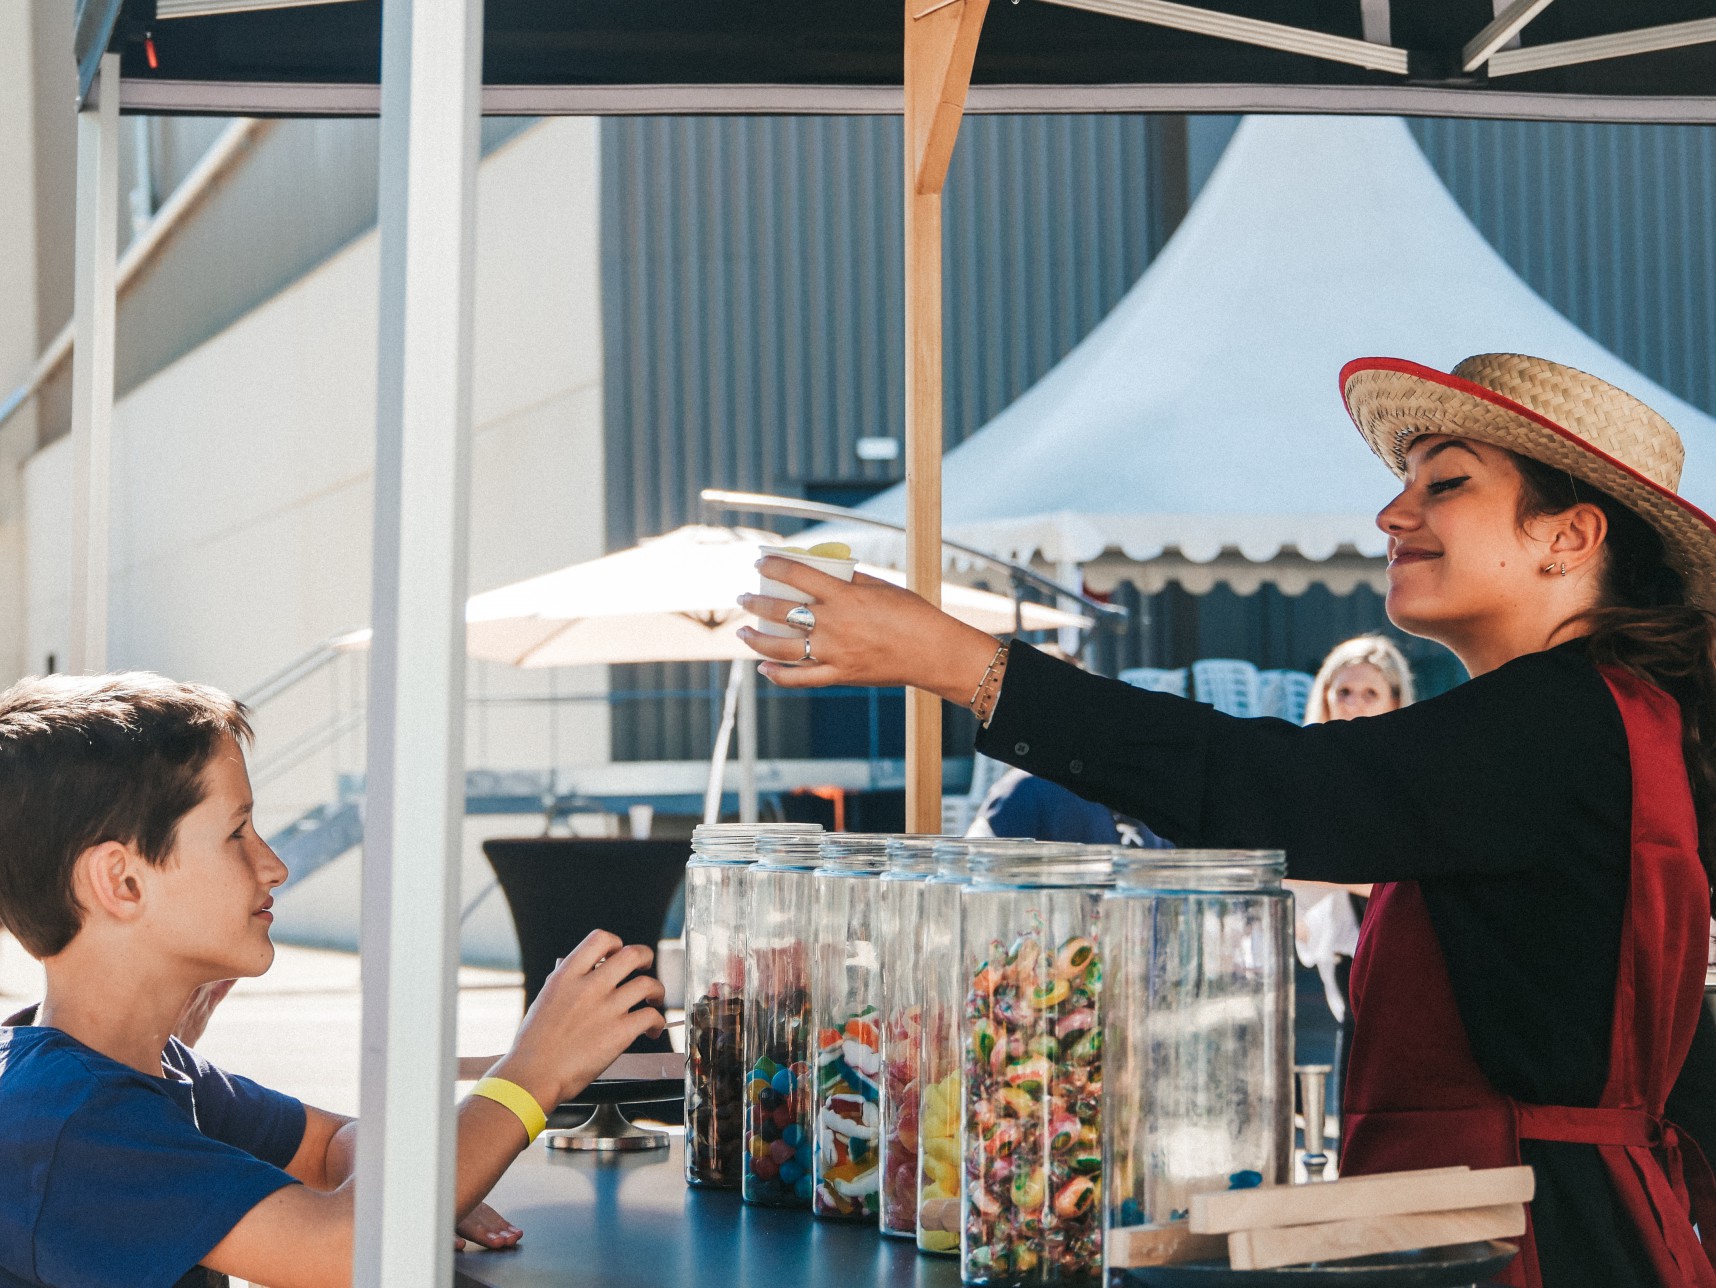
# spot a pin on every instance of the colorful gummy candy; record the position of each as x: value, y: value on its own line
x: 714, y: 1089
x: 1033, y: 1160
x: 848, y: 1118
x: 778, y: 1092
x: 777, y: 1163
x: 938, y: 1142
x: 901, y: 1042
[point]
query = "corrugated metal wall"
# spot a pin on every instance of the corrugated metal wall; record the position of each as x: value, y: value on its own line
x: 1615, y: 225
x: 752, y: 279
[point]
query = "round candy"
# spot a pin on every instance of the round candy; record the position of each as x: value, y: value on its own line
x: 801, y: 1188
x: 792, y: 1135
x: 780, y: 1152
x: 764, y: 1169
x: 783, y: 1082
x: 790, y: 1172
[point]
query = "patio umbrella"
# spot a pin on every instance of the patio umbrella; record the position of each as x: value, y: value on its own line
x: 672, y: 599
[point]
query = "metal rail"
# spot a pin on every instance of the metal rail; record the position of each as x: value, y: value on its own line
x: 762, y: 503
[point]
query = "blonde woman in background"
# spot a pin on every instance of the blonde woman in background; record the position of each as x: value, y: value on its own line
x: 1366, y: 676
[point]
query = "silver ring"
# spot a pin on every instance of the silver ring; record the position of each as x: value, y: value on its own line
x: 799, y: 615
x: 807, y: 657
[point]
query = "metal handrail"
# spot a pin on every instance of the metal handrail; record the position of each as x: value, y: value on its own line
x: 762, y: 503
x: 299, y: 668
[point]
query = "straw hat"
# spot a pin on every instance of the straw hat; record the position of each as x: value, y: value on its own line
x: 1551, y: 413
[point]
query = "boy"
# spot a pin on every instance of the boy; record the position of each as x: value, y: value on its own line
x: 130, y: 867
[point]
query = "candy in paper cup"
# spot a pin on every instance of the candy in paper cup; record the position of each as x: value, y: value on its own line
x: 820, y: 557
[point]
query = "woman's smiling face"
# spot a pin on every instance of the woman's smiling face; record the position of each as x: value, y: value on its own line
x: 1457, y: 557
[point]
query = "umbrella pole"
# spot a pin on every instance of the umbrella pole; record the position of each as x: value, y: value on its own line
x: 747, y: 741
x: 940, y: 47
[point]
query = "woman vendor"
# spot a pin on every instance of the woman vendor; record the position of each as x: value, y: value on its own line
x: 1529, y: 984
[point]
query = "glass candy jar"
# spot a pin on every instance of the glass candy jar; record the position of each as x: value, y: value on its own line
x: 939, y: 1061
x: 779, y: 1077
x: 846, y: 1008
x: 1030, y: 1207
x: 716, y: 909
x: 911, y: 861
x: 1197, y: 952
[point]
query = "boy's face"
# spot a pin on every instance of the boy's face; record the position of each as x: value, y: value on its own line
x: 214, y: 892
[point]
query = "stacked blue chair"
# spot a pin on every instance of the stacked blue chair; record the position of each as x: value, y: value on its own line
x: 1226, y: 684
x: 1283, y: 694
x: 1156, y: 679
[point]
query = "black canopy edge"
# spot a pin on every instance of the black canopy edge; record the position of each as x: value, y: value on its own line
x: 153, y: 96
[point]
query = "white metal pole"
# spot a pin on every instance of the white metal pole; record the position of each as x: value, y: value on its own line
x: 94, y: 307
x: 430, y: 96
x: 748, y: 743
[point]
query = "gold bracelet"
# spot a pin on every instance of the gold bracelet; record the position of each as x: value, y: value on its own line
x: 509, y: 1095
x: 982, y: 702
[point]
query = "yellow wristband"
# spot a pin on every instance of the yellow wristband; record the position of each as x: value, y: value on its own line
x: 517, y: 1099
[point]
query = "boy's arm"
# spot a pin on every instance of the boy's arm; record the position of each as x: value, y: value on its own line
x: 328, y: 1152
x: 299, y: 1237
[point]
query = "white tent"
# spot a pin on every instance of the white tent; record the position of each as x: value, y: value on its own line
x: 1200, y: 425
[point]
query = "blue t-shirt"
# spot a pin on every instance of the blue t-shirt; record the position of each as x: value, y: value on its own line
x: 1021, y: 804
x: 111, y: 1177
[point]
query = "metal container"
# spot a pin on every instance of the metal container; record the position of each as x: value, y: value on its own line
x: 779, y: 1077
x: 716, y: 909
x: 846, y: 1006
x: 911, y: 862
x: 1197, y: 950
x: 1031, y: 1138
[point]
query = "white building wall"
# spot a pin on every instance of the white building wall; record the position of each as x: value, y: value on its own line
x: 243, y: 481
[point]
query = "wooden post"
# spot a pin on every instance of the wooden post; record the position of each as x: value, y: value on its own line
x: 941, y: 44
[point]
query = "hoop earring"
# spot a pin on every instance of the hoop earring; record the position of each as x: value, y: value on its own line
x: 1555, y: 567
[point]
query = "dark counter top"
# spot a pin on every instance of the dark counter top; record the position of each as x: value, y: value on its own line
x: 631, y: 1221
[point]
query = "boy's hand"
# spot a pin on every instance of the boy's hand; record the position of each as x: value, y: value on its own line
x: 583, y: 1019
x: 486, y: 1226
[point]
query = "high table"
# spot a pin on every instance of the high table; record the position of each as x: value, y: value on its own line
x: 630, y: 1221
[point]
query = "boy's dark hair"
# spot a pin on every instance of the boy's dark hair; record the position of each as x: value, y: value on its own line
x: 85, y: 760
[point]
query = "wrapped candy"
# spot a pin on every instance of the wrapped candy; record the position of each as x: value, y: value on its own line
x: 846, y: 978
x: 1031, y: 1208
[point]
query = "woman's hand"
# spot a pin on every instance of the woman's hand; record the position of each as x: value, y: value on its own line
x: 868, y: 632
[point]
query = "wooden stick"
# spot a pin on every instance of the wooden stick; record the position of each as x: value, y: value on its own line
x: 940, y: 46
x: 1390, y: 1194
x: 1338, y: 1240
x: 1160, y: 1245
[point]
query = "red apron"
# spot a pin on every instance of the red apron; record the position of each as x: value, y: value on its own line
x: 1416, y: 1098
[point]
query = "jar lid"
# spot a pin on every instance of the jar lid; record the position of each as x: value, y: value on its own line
x: 913, y: 856
x: 801, y: 850
x: 737, y: 842
x: 854, y: 852
x: 1150, y: 871
x: 1041, y: 863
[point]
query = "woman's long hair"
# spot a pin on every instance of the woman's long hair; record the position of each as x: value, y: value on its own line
x: 1644, y: 622
x: 1367, y: 650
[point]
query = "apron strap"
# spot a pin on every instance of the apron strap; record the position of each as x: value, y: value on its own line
x: 1660, y: 1175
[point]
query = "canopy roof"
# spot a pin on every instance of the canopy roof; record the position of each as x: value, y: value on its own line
x: 549, y: 56
x: 1203, y: 414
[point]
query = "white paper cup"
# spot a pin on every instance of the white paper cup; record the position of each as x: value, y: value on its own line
x: 841, y: 568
